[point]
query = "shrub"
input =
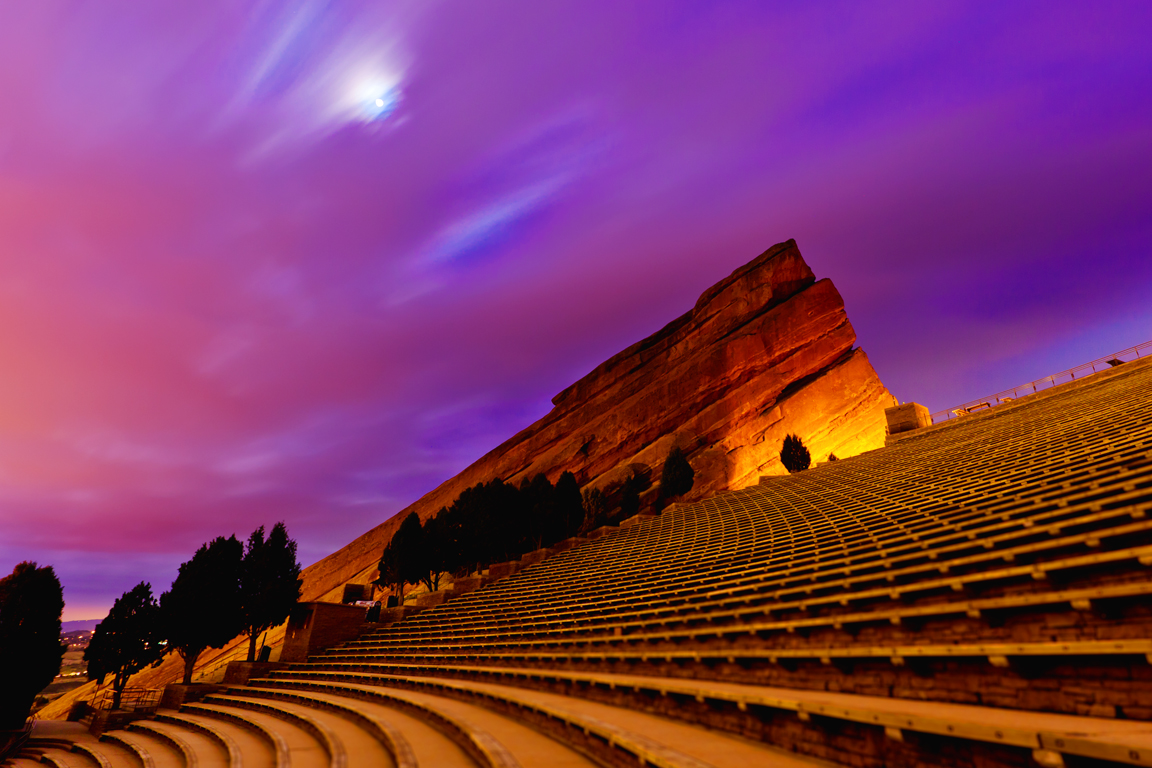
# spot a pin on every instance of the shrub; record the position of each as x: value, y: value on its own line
x: 794, y: 456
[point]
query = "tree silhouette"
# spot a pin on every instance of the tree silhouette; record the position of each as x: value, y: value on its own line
x: 269, y: 582
x: 630, y: 496
x: 534, y: 513
x: 127, y: 640
x: 677, y: 477
x: 402, y: 560
x: 568, y: 510
x: 31, y: 601
x: 793, y: 455
x: 432, y: 553
x: 203, y: 608
x: 595, y: 505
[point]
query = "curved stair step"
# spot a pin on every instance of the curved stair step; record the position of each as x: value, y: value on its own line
x: 586, y: 725
x: 271, y: 740
x: 197, y: 749
x: 149, y: 750
x: 60, y: 757
x: 330, y: 739
x: 480, y: 745
x: 242, y: 747
x: 383, y: 732
x: 23, y: 762
x: 461, y: 723
x: 295, y: 746
x: 106, y: 754
x: 431, y: 747
x: 532, y: 748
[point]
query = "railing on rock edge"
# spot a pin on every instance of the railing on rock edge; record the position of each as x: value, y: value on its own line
x: 1008, y: 395
x: 132, y: 700
x: 11, y: 742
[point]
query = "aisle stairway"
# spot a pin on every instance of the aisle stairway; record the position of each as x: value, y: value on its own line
x: 975, y: 594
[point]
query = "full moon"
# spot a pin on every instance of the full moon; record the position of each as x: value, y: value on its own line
x: 379, y: 102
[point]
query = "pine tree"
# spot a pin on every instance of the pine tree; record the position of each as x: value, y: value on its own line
x: 127, y: 640
x: 203, y: 609
x: 793, y: 455
x: 568, y: 510
x: 537, y: 508
x: 432, y: 553
x: 630, y: 496
x: 402, y: 560
x: 31, y: 601
x: 595, y: 506
x: 269, y: 582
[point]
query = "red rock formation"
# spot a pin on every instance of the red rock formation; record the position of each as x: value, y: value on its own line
x: 766, y: 351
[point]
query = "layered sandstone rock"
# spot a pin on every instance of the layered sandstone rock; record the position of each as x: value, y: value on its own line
x: 766, y: 351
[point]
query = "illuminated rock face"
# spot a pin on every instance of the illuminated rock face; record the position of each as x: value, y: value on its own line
x: 765, y: 352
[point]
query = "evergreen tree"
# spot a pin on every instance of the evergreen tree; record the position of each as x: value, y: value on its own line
x: 677, y: 476
x: 432, y: 554
x: 537, y: 507
x: 409, y: 540
x: 793, y: 455
x: 402, y: 561
x: 497, y: 522
x: 31, y: 602
x: 449, y: 543
x: 269, y: 582
x: 568, y: 510
x: 203, y: 609
x: 127, y: 640
x: 389, y: 577
x: 595, y: 509
x: 630, y: 496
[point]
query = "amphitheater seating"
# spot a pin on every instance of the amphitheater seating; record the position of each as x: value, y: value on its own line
x: 977, y: 593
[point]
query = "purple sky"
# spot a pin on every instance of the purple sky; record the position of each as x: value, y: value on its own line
x: 306, y: 260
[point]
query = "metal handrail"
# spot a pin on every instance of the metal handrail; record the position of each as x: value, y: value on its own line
x: 131, y: 700
x: 1008, y: 395
x: 12, y: 742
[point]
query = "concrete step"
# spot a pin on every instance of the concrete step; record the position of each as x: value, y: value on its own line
x: 430, y: 745
x: 23, y: 762
x: 384, y: 734
x: 108, y: 755
x: 293, y: 746
x: 475, y: 746
x: 529, y: 747
x: 243, y: 747
x: 318, y: 728
x: 361, y: 742
x: 197, y: 749
x: 149, y: 750
x: 614, y: 734
x: 62, y: 757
